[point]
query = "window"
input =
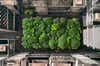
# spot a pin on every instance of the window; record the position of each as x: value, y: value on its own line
x: 3, y: 42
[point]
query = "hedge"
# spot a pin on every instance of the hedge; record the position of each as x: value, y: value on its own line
x: 51, y: 33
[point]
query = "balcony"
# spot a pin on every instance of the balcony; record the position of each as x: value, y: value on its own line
x: 7, y: 24
x: 7, y: 18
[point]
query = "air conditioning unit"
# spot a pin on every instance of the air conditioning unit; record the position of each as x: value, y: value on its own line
x: 97, y: 16
x: 2, y: 48
x: 9, y: 2
x: 78, y: 2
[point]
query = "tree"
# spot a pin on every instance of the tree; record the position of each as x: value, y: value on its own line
x: 62, y: 42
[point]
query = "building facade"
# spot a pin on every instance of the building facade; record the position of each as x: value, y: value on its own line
x: 87, y: 10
